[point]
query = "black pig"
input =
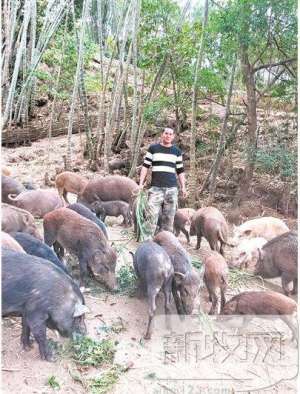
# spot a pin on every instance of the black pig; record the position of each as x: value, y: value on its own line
x: 279, y: 257
x: 43, y: 295
x: 154, y: 268
x: 33, y: 246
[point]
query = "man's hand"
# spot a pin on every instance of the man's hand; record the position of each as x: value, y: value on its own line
x: 184, y: 193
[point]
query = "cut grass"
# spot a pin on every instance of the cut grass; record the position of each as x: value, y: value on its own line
x: 105, y: 382
x: 87, y: 352
x: 239, y: 279
x: 127, y: 280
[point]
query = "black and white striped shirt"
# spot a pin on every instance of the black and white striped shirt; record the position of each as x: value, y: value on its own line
x: 165, y: 162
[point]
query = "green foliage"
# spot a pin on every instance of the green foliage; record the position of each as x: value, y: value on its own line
x: 157, y: 109
x: 277, y: 160
x: 86, y: 351
x: 92, y: 83
x: 105, y: 382
x: 127, y: 279
x: 53, y: 383
x: 53, y: 56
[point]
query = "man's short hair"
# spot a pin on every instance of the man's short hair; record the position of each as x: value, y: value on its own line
x: 168, y: 129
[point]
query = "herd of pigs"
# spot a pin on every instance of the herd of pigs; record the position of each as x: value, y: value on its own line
x: 37, y: 284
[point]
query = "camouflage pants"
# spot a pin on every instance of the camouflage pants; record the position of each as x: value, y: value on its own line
x: 162, y: 203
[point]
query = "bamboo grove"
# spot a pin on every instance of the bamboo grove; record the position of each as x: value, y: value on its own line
x: 152, y: 57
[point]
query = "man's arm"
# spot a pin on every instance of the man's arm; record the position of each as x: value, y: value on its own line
x: 181, y: 178
x: 144, y: 172
x: 146, y: 165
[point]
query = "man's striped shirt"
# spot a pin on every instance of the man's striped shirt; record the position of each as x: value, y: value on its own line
x: 165, y: 162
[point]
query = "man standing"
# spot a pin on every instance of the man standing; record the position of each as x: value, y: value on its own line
x: 166, y: 162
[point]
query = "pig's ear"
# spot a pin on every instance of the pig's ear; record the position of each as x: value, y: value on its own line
x: 80, y: 310
x: 178, y: 276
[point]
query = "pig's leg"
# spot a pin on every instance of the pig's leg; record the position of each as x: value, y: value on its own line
x: 65, y: 193
x: 37, y: 324
x: 295, y: 286
x: 208, y: 289
x: 152, y: 293
x: 214, y: 302
x: 186, y: 233
x: 222, y: 248
x: 199, y: 236
x: 177, y: 299
x: 59, y: 250
x: 223, y: 299
x: 25, y: 337
x: 49, y: 236
x: 125, y: 222
x: 176, y: 231
x: 167, y: 293
x: 288, y: 322
x: 83, y: 267
x: 285, y: 280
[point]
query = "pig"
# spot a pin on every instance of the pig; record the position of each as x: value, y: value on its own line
x: 211, y: 224
x: 38, y: 202
x: 245, y: 254
x: 88, y: 214
x: 70, y: 182
x: 33, y: 246
x: 44, y: 296
x: 8, y: 242
x: 10, y: 186
x: 16, y: 219
x: 265, y: 227
x: 109, y: 188
x: 262, y: 303
x: 155, y: 270
x: 186, y: 280
x: 279, y: 257
x: 112, y: 208
x: 215, y: 276
x: 84, y: 239
x: 182, y: 218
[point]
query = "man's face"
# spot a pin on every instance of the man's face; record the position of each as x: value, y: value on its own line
x: 167, y: 137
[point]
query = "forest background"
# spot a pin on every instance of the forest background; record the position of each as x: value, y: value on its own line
x: 223, y: 74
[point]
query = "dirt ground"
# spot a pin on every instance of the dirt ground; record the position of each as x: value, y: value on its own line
x: 24, y: 372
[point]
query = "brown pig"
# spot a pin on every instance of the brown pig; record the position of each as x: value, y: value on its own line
x: 83, y: 238
x: 9, y: 242
x: 10, y: 185
x: 215, y: 276
x: 182, y: 218
x: 186, y: 282
x: 15, y: 219
x: 262, y: 303
x: 209, y: 223
x: 37, y: 202
x: 279, y: 257
x: 109, y: 188
x: 70, y: 182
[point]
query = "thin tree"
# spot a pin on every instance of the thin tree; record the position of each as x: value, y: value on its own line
x: 221, y: 147
x: 193, y: 174
x: 77, y: 76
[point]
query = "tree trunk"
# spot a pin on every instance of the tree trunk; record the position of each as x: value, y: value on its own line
x: 193, y: 174
x: 248, y: 77
x: 221, y: 147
